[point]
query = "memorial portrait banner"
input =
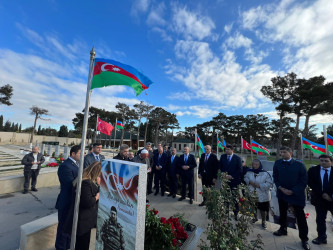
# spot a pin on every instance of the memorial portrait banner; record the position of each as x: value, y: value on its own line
x: 122, y: 206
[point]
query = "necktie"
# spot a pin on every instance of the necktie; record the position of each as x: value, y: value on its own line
x: 172, y: 158
x: 97, y: 158
x: 206, y: 158
x: 229, y: 158
x: 326, y: 185
x: 185, y: 158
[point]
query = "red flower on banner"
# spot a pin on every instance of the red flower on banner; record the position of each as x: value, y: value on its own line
x: 307, y: 215
x: 200, y: 193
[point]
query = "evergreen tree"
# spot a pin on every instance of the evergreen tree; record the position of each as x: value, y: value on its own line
x: 16, y: 127
x: 20, y: 128
x: 39, y: 131
x: 63, y: 131
x: 12, y: 127
x: 7, y: 126
x: 1, y: 122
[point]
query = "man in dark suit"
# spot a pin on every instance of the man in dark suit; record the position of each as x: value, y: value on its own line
x: 32, y: 164
x: 231, y: 164
x: 123, y: 153
x: 320, y: 180
x: 67, y: 172
x: 160, y: 166
x: 186, y: 165
x: 290, y: 179
x: 173, y: 172
x: 167, y: 150
x: 208, y: 167
x: 95, y: 155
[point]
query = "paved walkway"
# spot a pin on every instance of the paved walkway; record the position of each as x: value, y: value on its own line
x: 17, y: 209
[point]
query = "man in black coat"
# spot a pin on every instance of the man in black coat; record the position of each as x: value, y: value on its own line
x: 320, y: 180
x: 123, y: 153
x: 95, y: 155
x: 67, y: 172
x: 208, y: 167
x: 290, y: 179
x: 160, y: 166
x: 32, y: 163
x: 173, y: 172
x: 231, y: 164
x: 186, y: 165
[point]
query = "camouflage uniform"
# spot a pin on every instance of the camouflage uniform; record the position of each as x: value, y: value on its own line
x: 112, y: 236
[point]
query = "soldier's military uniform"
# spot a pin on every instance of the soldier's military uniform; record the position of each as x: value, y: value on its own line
x: 112, y: 236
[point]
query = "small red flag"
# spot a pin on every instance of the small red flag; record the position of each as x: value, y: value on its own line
x: 104, y: 127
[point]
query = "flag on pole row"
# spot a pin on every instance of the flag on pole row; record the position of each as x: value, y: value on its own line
x: 201, y: 146
x: 247, y: 146
x: 224, y: 143
x: 104, y: 127
x: 109, y: 72
x: 259, y: 148
x: 120, y: 125
x: 219, y: 143
x: 330, y: 143
x: 315, y: 147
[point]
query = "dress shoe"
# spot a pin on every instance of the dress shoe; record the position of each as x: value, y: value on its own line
x: 202, y: 204
x: 280, y: 232
x: 319, y: 241
x: 25, y: 192
x: 169, y: 195
x: 305, y: 245
x: 254, y: 220
x: 149, y: 192
x: 156, y: 193
x: 191, y: 201
x: 147, y: 202
x: 174, y: 196
x: 181, y: 198
x: 235, y: 217
x: 34, y: 189
x: 264, y: 225
x: 162, y: 194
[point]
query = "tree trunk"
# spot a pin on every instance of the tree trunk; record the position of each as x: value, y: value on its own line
x: 295, y: 135
x: 138, y: 135
x: 156, y: 132
x: 146, y: 130
x: 280, y: 137
x: 306, y: 126
x: 33, y: 130
x: 166, y: 136
x: 213, y: 137
x: 122, y: 136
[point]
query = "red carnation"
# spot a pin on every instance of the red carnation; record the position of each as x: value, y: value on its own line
x: 155, y: 212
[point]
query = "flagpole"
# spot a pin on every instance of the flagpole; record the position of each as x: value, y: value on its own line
x: 195, y: 169
x: 115, y: 133
x: 217, y: 145
x: 325, y: 138
x: 302, y: 157
x: 96, y: 126
x: 241, y: 148
x: 83, y: 145
x: 251, y: 148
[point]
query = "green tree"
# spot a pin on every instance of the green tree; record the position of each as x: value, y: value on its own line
x: 7, y: 126
x: 123, y: 110
x: 6, y: 92
x: 63, y: 131
x: 1, y: 122
x: 20, y: 128
x: 37, y: 113
x: 39, y: 130
x: 159, y: 116
x: 12, y: 127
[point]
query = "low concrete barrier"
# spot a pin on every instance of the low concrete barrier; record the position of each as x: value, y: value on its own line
x: 39, y: 234
x: 46, y: 178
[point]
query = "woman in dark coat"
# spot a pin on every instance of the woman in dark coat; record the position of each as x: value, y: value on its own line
x: 88, y: 205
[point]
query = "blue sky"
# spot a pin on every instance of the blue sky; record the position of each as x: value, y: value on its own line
x: 204, y: 57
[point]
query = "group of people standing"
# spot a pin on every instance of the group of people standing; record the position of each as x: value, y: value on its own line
x: 289, y: 176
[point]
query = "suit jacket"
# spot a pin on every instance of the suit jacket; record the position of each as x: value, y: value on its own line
x: 233, y: 168
x: 67, y: 172
x: 173, y: 166
x: 315, y: 183
x: 191, y: 162
x: 163, y: 161
x: 28, y: 159
x: 90, y: 159
x: 210, y: 167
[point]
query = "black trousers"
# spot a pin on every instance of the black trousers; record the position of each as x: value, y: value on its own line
x: 63, y: 239
x: 321, y: 213
x: 300, y: 218
x: 150, y: 182
x: 160, y: 181
x: 173, y: 183
x: 187, y: 179
x: 30, y: 174
x: 83, y: 241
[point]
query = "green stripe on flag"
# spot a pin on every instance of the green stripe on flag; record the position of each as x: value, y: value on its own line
x: 259, y: 150
x: 120, y: 127
x: 312, y: 149
x: 330, y: 148
x: 108, y: 78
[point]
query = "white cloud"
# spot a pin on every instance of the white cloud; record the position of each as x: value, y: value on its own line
x: 155, y: 16
x: 163, y: 33
x: 192, y: 25
x: 238, y: 41
x: 140, y: 6
x: 228, y: 27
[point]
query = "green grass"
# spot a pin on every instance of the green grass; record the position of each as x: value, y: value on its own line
x: 306, y: 162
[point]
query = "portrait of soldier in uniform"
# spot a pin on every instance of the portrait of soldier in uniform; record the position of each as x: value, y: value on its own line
x: 112, y: 233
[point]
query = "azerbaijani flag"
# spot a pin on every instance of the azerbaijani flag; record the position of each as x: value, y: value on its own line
x: 315, y: 147
x: 224, y: 143
x: 259, y: 148
x: 120, y: 125
x: 219, y: 143
x: 330, y: 143
x: 201, y: 146
x: 109, y: 72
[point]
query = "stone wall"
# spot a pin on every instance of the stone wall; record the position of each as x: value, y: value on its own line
x: 24, y: 138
